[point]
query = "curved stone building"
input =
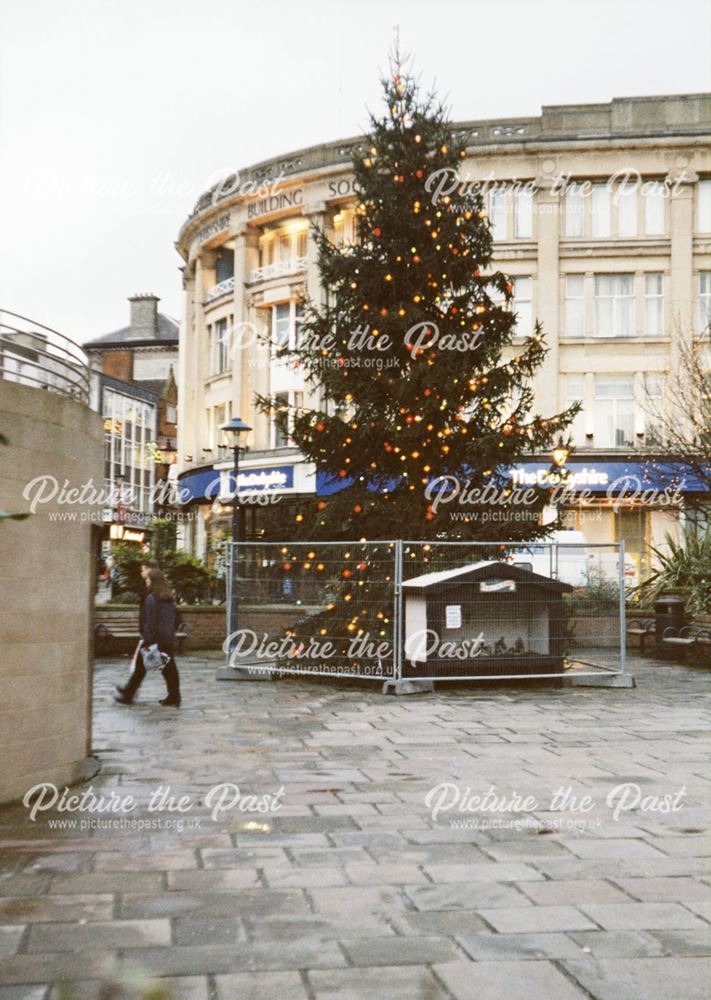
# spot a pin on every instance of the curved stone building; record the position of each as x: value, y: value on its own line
x: 602, y: 215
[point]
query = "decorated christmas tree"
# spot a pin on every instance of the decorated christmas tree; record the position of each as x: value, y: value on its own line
x: 415, y: 357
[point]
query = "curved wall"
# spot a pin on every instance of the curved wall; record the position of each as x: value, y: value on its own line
x: 46, y: 590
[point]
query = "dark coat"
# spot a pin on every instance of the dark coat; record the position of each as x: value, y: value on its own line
x: 158, y: 622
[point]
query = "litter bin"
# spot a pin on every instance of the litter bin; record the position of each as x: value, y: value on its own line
x: 669, y: 612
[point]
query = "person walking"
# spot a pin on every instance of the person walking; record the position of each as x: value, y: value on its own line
x: 158, y: 624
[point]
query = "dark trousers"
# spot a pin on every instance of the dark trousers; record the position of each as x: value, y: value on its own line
x: 170, y: 675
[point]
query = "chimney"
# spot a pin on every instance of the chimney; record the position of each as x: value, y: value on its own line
x: 144, y: 316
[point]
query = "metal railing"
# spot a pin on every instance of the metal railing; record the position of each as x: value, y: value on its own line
x: 225, y: 287
x: 450, y: 611
x: 278, y: 269
x: 36, y: 355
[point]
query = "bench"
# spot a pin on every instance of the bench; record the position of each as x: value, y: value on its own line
x: 642, y: 628
x: 125, y: 626
x: 686, y: 638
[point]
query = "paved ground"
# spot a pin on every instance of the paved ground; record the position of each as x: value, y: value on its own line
x: 352, y: 888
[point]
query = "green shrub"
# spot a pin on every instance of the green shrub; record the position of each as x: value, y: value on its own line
x: 188, y: 578
x: 685, y: 565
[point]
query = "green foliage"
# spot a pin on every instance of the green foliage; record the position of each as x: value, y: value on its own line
x: 129, y: 559
x: 163, y: 539
x: 189, y: 579
x: 127, y: 597
x: 684, y: 565
x: 600, y: 596
x: 409, y: 350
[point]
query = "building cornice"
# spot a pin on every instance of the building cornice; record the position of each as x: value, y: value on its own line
x: 669, y: 119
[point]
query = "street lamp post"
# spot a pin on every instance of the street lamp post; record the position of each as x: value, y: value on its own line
x: 236, y: 426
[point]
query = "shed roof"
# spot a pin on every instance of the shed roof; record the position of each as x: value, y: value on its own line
x: 484, y: 570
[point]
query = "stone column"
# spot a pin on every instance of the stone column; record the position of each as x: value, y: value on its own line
x: 189, y: 389
x: 246, y: 349
x: 681, y: 223
x: 548, y: 307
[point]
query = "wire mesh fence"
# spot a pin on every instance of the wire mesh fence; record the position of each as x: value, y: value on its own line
x: 428, y: 610
x: 478, y: 610
x: 325, y: 608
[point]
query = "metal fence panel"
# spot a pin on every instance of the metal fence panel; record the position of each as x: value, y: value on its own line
x: 321, y: 608
x: 483, y: 610
x: 429, y: 610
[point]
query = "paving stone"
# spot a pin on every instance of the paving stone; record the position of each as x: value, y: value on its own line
x: 400, y: 982
x: 619, y: 944
x: 680, y: 890
x: 468, y: 896
x: 385, y: 874
x: 691, y: 942
x: 643, y: 978
x: 573, y: 893
x: 217, y: 904
x: 10, y: 937
x: 285, y: 878
x: 103, y: 882
x: 525, y: 980
x: 182, y: 988
x: 400, y: 950
x: 622, y: 848
x: 253, y: 957
x: 641, y: 916
x: 221, y: 880
x: 325, y: 928
x: 52, y: 908
x: 208, y: 930
x: 27, y: 969
x: 493, y: 871
x: 261, y: 986
x: 25, y: 885
x: 23, y: 992
x: 537, y: 918
x: 358, y: 899
x: 439, y: 923
x: 98, y: 935
x: 491, y: 947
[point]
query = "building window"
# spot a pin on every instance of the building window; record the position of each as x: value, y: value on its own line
x: 344, y: 227
x: 654, y: 201
x: 704, y: 300
x: 287, y: 319
x: 129, y: 442
x: 225, y: 265
x: 575, y: 393
x: 654, y: 305
x: 626, y: 198
x: 600, y: 210
x: 282, y: 251
x: 574, y: 211
x: 703, y: 207
x: 290, y: 402
x: 497, y: 212
x: 614, y: 411
x: 171, y: 413
x: 613, y: 298
x: 523, y: 213
x: 219, y: 345
x: 575, y: 305
x: 653, y: 407
x: 523, y: 306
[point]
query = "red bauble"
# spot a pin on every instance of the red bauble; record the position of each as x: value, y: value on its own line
x: 320, y: 427
x: 377, y: 231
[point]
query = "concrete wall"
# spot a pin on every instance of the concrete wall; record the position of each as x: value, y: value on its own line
x: 46, y: 590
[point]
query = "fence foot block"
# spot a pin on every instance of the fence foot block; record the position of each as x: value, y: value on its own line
x: 601, y: 680
x: 242, y: 673
x: 408, y: 687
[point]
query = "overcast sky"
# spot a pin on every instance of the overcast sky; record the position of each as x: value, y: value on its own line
x: 116, y: 114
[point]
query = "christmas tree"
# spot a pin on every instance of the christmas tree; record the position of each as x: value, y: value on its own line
x: 410, y: 349
x: 415, y: 355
